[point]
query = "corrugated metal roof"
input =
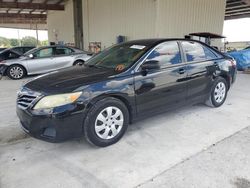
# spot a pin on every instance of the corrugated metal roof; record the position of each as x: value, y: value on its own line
x: 237, y: 9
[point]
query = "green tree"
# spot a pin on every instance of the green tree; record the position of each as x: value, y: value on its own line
x: 29, y: 41
x: 4, y: 42
x: 45, y: 43
x: 14, y: 42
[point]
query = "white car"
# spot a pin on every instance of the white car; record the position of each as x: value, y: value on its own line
x: 42, y: 60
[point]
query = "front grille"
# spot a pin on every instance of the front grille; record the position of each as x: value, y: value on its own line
x: 25, y: 99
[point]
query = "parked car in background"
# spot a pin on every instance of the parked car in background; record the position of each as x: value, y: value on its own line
x: 1, y: 49
x: 9, y: 54
x: 14, y: 53
x: 42, y: 60
x: 23, y: 49
x: 130, y: 80
x: 247, y: 48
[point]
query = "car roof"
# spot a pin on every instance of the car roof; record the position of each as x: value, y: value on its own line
x: 153, y: 42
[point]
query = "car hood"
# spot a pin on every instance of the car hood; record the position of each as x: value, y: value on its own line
x: 68, y: 80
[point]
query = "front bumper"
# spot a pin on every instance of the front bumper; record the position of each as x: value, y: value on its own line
x: 55, y: 126
x: 3, y: 69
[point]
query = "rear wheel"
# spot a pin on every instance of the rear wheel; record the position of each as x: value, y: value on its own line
x: 218, y: 93
x: 106, y: 122
x: 16, y: 72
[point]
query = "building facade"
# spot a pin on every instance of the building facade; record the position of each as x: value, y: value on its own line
x: 104, y: 20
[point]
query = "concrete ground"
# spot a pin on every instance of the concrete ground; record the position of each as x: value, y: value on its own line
x: 195, y: 146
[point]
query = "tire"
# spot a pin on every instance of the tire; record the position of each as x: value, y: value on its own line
x: 218, y: 93
x: 16, y: 72
x: 78, y: 62
x: 99, y: 127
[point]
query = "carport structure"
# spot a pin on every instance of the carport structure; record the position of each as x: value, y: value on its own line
x: 82, y: 22
x: 237, y: 9
x: 27, y: 11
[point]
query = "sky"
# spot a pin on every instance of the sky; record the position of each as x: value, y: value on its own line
x: 235, y: 31
x: 13, y: 33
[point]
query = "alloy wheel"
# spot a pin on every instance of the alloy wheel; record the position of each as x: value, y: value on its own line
x: 16, y: 72
x: 219, y: 92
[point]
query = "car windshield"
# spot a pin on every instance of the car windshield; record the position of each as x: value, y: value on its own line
x: 30, y: 52
x: 118, y: 57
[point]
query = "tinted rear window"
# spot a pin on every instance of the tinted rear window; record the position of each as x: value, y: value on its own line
x: 197, y: 52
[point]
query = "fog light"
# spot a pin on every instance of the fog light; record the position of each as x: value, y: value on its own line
x: 49, y: 132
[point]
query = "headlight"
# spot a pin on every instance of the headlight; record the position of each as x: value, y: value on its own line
x: 57, y: 100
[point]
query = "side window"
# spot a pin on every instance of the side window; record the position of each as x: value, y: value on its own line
x: 18, y: 50
x: 46, y: 52
x: 13, y: 55
x: 63, y: 51
x: 166, y: 54
x: 197, y: 52
x: 208, y: 53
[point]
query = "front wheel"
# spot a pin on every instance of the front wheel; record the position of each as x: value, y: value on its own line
x: 106, y: 122
x: 78, y: 62
x: 218, y: 93
x: 16, y: 72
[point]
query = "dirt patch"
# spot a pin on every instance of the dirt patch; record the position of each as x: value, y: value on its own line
x: 17, y: 138
x: 242, y: 183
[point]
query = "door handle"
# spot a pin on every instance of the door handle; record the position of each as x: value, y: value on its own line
x: 181, y: 71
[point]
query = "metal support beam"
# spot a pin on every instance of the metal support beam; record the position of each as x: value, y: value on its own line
x: 237, y: 16
x: 78, y: 23
x: 40, y: 6
x: 23, y: 18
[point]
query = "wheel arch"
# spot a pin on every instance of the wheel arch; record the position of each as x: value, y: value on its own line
x: 118, y: 96
x: 74, y: 63
x: 227, y: 78
x: 26, y: 72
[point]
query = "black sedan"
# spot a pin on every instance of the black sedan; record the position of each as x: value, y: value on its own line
x: 121, y: 84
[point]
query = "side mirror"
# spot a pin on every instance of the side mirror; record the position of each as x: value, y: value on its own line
x: 150, y: 65
x: 31, y: 56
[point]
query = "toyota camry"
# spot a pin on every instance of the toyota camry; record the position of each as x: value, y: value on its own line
x: 122, y: 84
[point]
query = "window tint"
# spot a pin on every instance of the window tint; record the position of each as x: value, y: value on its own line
x: 46, y: 52
x: 167, y: 53
x: 26, y: 49
x: 9, y: 55
x: 197, y: 52
x: 63, y: 51
x: 208, y: 53
x: 20, y: 50
x: 13, y: 55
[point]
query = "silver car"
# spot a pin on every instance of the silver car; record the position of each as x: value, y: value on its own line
x: 42, y: 60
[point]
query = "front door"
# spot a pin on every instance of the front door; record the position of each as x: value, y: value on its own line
x: 42, y: 61
x: 165, y: 87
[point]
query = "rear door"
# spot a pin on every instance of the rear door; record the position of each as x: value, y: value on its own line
x: 201, y: 63
x: 63, y: 57
x: 43, y: 61
x: 166, y: 87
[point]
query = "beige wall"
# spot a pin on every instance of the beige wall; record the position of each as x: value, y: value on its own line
x: 104, y: 20
x: 176, y: 18
x: 136, y: 19
x: 61, y: 24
